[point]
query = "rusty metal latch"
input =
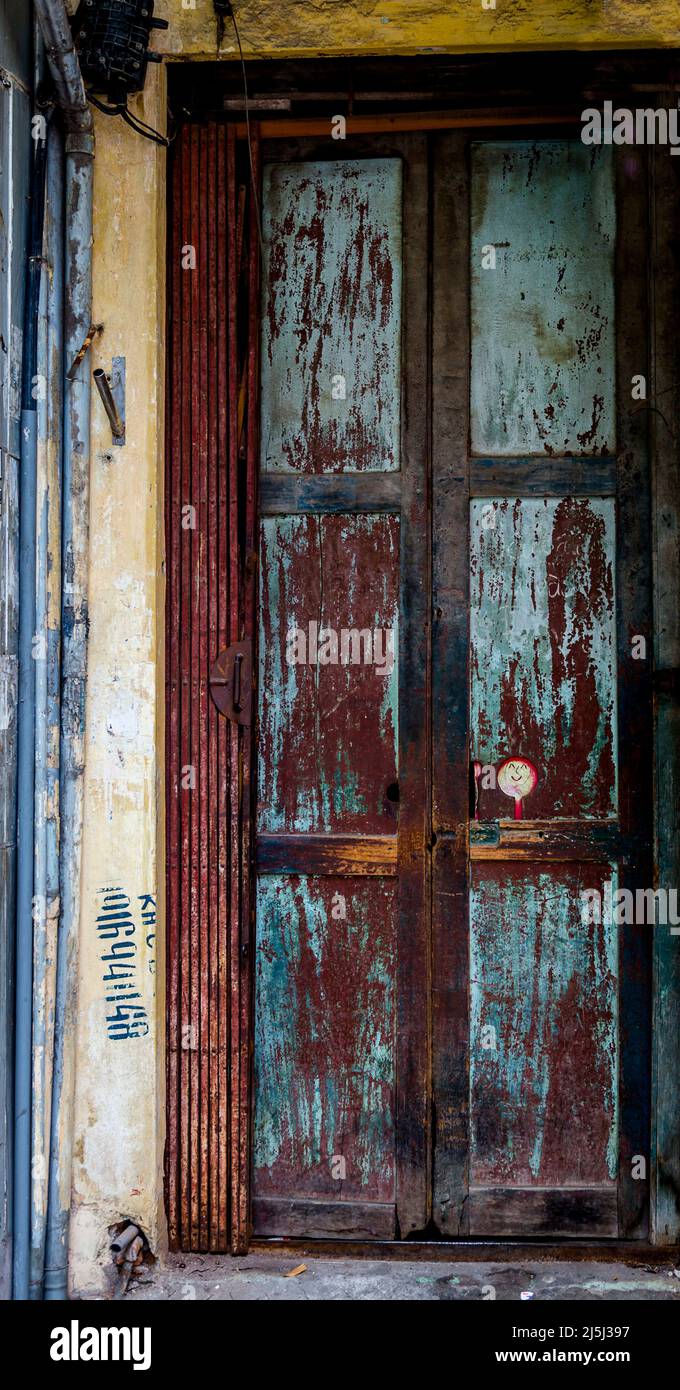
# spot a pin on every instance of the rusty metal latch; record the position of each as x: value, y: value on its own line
x: 231, y: 682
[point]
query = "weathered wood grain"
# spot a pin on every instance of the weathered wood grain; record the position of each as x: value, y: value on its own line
x: 450, y: 713
x: 327, y: 854
x: 341, y: 778
x: 543, y: 651
x: 284, y: 494
x: 324, y: 1038
x: 328, y: 727
x: 543, y: 359
x: 290, y: 1217
x: 413, y: 1133
x: 331, y: 310
x: 665, y: 432
x: 551, y: 477
x: 634, y: 684
x: 560, y: 1212
x: 543, y: 1029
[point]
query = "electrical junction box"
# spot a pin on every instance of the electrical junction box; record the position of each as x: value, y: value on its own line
x: 112, y: 41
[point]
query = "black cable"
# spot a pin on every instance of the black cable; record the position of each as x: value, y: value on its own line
x: 136, y: 122
x: 101, y: 106
x: 148, y: 132
x: 224, y: 7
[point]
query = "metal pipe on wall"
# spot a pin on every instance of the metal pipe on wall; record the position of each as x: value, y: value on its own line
x: 26, y: 741
x: 77, y: 275
x: 50, y: 370
x: 74, y: 620
x: 15, y: 183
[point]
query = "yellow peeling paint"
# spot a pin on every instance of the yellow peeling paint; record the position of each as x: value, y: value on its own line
x: 325, y: 28
x: 120, y: 1098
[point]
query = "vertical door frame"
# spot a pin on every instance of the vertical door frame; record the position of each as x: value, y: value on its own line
x: 634, y: 683
x: 450, y: 680
x: 413, y: 975
x: 447, y: 1054
x: 664, y: 413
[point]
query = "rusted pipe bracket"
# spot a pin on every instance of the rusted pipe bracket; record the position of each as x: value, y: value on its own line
x: 92, y: 332
x: 118, y: 392
x: 231, y: 682
x: 111, y: 388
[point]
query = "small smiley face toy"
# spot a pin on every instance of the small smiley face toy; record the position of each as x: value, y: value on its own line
x: 517, y: 777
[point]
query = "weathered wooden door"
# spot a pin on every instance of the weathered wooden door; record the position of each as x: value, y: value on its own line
x: 340, y: 1126
x: 541, y: 661
x: 453, y: 468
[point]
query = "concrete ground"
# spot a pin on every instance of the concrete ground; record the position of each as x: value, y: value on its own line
x: 262, y: 1277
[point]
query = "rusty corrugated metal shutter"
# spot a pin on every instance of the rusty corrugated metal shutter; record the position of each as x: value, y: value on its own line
x: 210, y: 521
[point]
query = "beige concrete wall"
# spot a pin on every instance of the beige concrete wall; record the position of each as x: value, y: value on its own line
x: 119, y: 1123
x: 120, y: 1103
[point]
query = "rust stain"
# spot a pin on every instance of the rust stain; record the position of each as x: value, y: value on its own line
x: 328, y: 730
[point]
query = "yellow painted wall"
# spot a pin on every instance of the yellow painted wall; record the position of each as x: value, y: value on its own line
x: 120, y: 1101
x: 287, y: 28
x: 120, y: 1122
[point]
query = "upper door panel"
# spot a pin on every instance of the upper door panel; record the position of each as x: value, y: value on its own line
x: 331, y: 349
x: 542, y: 299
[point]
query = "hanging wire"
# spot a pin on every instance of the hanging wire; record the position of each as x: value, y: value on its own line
x: 120, y: 108
x: 223, y: 7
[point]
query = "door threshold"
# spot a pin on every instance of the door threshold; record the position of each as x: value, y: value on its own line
x: 470, y: 1251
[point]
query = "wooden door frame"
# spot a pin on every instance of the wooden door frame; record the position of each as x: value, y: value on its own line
x: 448, y: 397
x: 664, y: 435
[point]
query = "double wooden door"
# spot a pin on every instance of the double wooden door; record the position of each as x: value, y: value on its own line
x: 453, y: 730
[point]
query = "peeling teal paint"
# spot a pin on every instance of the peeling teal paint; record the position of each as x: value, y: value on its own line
x: 324, y: 1024
x: 543, y: 636
x: 544, y: 1097
x: 332, y: 310
x: 543, y: 351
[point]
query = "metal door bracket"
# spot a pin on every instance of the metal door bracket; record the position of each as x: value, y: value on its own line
x: 231, y: 682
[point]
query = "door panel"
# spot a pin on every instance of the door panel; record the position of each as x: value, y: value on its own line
x: 543, y: 1017
x: 331, y: 310
x: 340, y: 1084
x: 329, y: 674
x: 543, y: 650
x: 543, y: 347
x: 324, y: 1040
